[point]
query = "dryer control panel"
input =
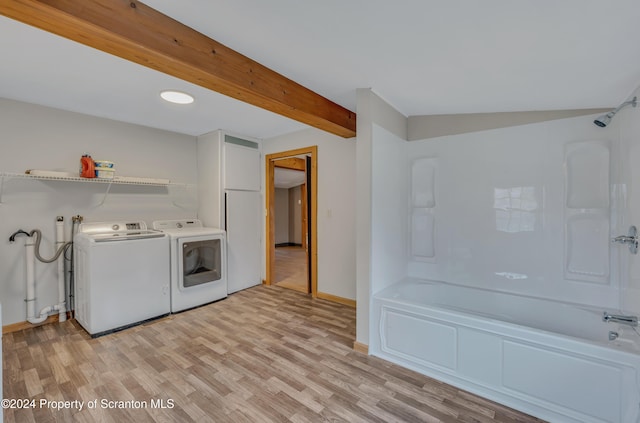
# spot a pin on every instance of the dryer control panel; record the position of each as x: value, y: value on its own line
x: 177, y: 224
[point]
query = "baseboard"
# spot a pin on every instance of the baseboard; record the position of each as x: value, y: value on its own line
x: 336, y: 299
x: 15, y: 327
x: 360, y: 347
x: 288, y: 244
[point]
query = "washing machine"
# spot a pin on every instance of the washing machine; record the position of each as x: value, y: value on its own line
x: 121, y: 275
x: 198, y: 263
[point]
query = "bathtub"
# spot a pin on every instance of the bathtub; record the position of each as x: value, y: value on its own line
x: 550, y: 359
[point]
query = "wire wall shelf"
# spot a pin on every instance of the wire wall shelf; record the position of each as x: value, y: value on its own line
x: 117, y: 180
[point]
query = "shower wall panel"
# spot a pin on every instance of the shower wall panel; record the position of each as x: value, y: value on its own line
x: 627, y: 123
x: 524, y: 209
x: 422, y: 208
x: 587, y: 211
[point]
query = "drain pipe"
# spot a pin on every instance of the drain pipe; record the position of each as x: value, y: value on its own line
x: 30, y: 277
x: 32, y: 245
x: 31, y: 283
x: 62, y: 310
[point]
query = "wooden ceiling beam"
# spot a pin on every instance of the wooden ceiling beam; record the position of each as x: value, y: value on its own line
x: 292, y: 163
x: 134, y: 31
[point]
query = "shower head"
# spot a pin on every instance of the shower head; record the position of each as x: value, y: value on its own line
x: 604, y: 120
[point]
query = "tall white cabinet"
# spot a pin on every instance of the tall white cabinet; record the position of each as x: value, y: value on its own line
x: 229, y: 197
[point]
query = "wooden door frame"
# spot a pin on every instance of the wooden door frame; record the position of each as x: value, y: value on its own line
x: 303, y: 215
x: 311, y: 151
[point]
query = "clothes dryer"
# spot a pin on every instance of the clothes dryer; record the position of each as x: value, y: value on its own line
x: 198, y: 263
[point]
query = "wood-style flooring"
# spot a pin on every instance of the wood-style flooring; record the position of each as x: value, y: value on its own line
x: 291, y: 268
x: 264, y: 354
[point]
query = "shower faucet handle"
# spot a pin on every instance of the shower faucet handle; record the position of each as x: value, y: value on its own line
x: 631, y: 239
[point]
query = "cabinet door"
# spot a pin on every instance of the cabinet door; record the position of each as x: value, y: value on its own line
x: 241, y: 167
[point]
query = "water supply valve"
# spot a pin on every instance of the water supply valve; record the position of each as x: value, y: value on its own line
x: 631, y: 239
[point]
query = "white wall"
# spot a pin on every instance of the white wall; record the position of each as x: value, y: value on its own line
x: 35, y: 137
x: 373, y: 114
x: 288, y: 216
x: 389, y: 200
x: 281, y: 204
x: 431, y: 126
x: 336, y: 206
x: 295, y: 215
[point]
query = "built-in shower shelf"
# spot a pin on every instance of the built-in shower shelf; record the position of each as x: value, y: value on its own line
x: 59, y: 176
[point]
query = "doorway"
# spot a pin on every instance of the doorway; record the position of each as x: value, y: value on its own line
x: 303, y: 195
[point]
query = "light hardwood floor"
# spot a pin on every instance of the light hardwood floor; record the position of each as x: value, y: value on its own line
x: 291, y: 268
x: 265, y: 354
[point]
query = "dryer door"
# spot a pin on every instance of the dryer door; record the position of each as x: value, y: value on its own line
x: 201, y: 262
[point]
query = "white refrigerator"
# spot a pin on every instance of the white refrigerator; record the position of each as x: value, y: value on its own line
x: 230, y: 197
x: 243, y: 225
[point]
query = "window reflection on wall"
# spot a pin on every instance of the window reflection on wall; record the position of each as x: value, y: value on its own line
x: 515, y: 209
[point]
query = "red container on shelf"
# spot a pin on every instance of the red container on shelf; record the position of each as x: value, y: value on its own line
x: 87, y: 166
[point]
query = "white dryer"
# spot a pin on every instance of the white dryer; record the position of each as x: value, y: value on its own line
x: 198, y: 263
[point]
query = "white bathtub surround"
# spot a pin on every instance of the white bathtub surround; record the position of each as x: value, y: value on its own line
x: 547, y: 358
x: 587, y: 211
x: 422, y: 209
x: 528, y: 210
x: 516, y: 224
x: 628, y: 124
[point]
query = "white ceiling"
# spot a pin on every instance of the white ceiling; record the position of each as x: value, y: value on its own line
x: 422, y: 56
x: 288, y: 178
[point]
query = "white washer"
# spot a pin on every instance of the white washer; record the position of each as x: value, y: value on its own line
x: 198, y: 263
x: 121, y: 275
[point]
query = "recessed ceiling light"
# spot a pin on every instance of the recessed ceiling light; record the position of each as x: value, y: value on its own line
x: 177, y: 97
